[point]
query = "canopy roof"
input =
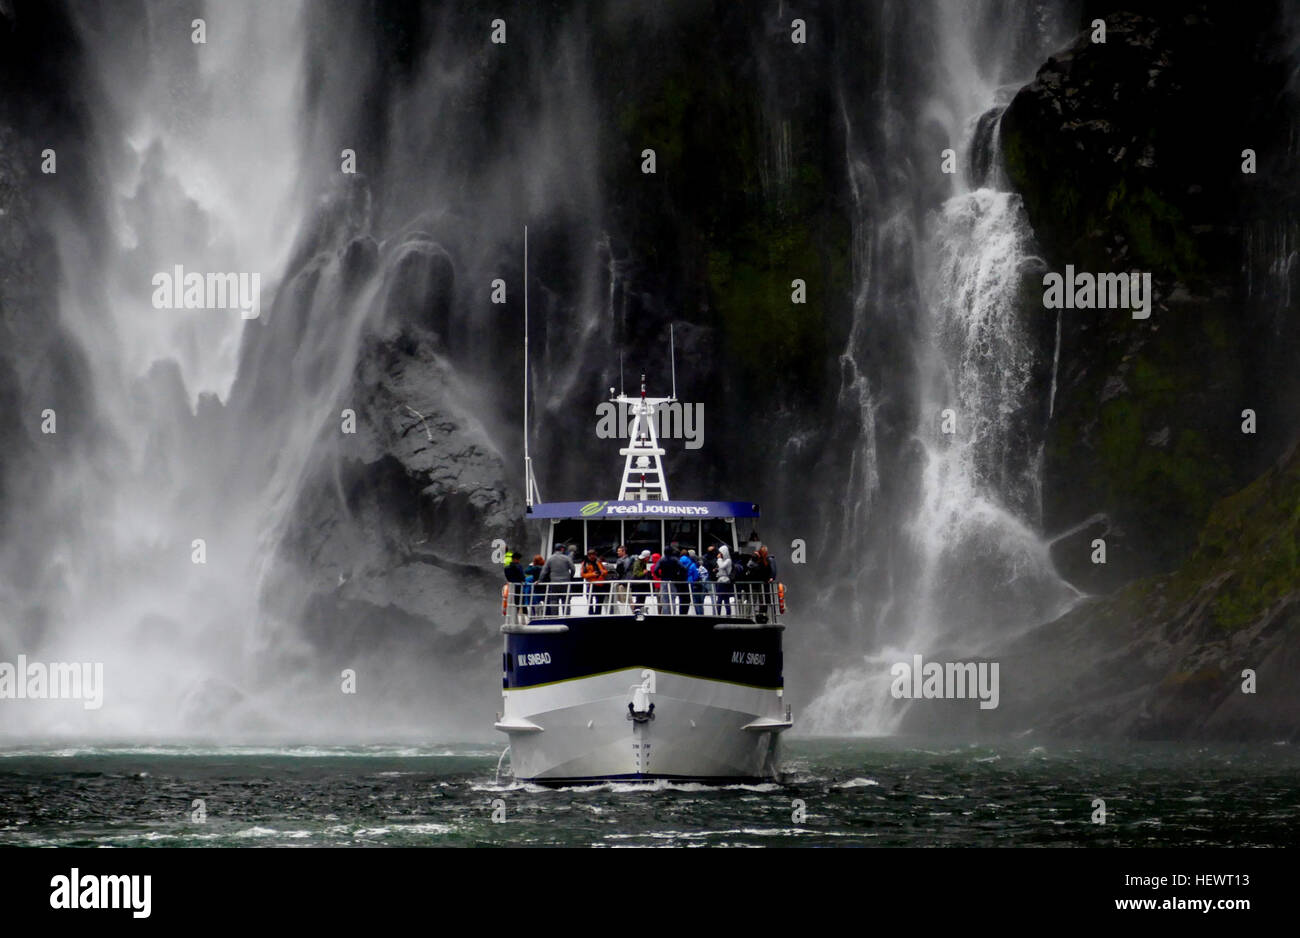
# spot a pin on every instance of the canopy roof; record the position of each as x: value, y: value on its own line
x: 644, y: 509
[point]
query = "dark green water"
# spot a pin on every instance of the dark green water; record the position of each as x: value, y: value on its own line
x: 869, y: 792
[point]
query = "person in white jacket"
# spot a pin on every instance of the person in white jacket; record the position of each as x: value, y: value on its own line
x: 725, y: 589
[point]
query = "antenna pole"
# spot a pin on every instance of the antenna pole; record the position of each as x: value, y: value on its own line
x: 528, y: 465
x: 672, y: 355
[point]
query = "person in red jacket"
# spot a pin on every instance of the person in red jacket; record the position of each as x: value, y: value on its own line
x: 656, y: 581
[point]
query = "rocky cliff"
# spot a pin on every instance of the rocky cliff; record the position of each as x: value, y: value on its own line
x: 1209, y: 651
x: 1129, y: 156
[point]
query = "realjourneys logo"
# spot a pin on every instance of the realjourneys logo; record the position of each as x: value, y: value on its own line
x: 955, y: 680
x: 1098, y: 291
x: 181, y: 290
x: 56, y: 681
x: 75, y: 891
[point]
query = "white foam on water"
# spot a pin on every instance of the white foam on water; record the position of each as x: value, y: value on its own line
x: 297, y: 752
x: 858, y: 783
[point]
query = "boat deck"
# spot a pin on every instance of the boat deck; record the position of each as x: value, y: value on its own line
x: 744, y: 602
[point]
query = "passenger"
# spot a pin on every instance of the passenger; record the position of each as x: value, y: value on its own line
x: 534, y: 569
x: 754, y: 543
x: 710, y: 564
x: 532, y: 573
x: 640, y: 577
x: 740, y: 584
x: 663, y: 577
x: 673, y: 573
x: 557, y: 574
x: 725, y: 589
x: 594, y: 572
x: 622, y: 573
x: 762, y: 570
x: 694, y: 581
x: 514, y: 581
x: 656, y: 581
x: 513, y: 572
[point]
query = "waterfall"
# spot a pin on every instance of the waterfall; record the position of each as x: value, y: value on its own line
x: 219, y: 439
x: 970, y: 566
x: 192, y: 177
x: 217, y: 458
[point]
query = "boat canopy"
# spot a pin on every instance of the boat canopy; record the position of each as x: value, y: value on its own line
x: 634, y: 509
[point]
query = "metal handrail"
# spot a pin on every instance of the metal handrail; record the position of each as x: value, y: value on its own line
x: 744, y: 600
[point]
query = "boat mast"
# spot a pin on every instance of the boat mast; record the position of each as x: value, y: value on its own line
x: 643, y: 470
x: 531, y: 492
x: 672, y: 357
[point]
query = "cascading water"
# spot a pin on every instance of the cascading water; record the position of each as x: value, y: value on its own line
x: 972, y: 565
x: 374, y: 300
x: 193, y: 178
x: 219, y: 440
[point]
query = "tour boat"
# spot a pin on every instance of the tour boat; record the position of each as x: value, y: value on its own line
x: 633, y: 679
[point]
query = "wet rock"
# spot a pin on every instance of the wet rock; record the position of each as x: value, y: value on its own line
x: 419, y: 286
x: 403, y: 514
x: 359, y: 260
x: 1108, y: 148
x: 1167, y: 657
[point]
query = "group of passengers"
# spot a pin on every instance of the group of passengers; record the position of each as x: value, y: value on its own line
x: 678, y: 578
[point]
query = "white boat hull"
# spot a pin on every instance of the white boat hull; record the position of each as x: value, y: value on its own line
x: 580, y: 729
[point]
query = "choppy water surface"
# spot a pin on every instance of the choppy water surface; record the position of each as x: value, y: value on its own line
x: 871, y: 792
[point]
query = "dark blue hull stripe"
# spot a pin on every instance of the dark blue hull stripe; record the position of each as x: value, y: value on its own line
x: 686, y: 645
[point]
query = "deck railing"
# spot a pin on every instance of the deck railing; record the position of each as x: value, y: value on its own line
x: 749, y: 601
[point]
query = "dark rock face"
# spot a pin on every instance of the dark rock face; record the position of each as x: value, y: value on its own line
x: 1110, y: 144
x: 1128, y: 155
x: 384, y: 564
x: 399, y: 516
x: 1168, y: 657
x: 421, y: 485
x: 420, y: 289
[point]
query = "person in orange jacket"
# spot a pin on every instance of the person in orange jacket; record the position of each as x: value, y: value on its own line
x: 594, y: 572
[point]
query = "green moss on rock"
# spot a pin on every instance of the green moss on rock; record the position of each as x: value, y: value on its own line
x: 750, y: 287
x: 1253, y: 539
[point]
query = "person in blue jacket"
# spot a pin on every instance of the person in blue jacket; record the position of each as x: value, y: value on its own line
x: 694, y: 580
